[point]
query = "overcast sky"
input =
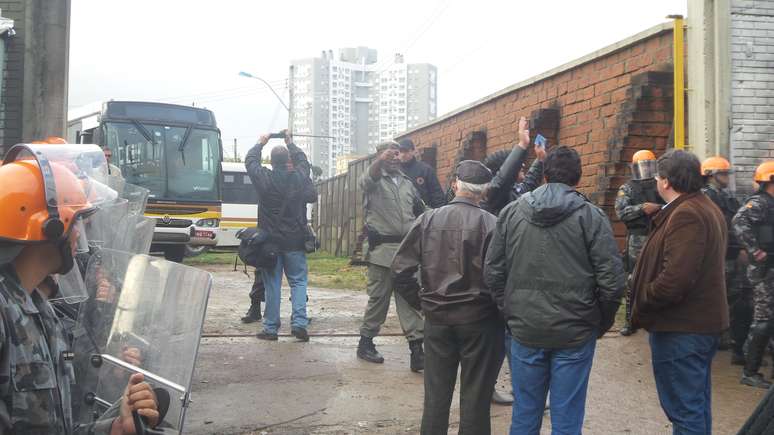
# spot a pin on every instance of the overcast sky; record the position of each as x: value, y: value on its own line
x: 190, y: 51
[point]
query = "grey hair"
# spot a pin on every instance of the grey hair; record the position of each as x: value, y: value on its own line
x: 474, y: 189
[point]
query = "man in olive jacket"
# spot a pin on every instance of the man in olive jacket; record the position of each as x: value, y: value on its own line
x: 554, y: 269
x: 679, y: 292
x: 391, y: 204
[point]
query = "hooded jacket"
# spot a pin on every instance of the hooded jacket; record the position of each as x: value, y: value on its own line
x: 553, y: 267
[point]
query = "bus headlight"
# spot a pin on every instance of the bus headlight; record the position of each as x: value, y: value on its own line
x: 208, y: 223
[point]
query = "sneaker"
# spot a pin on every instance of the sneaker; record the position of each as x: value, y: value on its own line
x: 737, y: 359
x: 366, y: 350
x: 756, y: 381
x: 300, y: 333
x: 499, y: 398
x: 627, y: 330
x: 263, y: 335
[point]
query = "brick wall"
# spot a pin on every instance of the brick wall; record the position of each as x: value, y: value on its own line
x: 606, y: 106
x: 752, y: 87
x: 13, y: 75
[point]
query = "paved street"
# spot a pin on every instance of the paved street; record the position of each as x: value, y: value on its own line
x: 243, y: 385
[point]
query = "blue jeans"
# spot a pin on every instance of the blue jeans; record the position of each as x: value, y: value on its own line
x: 682, y: 366
x: 294, y: 266
x: 563, y: 372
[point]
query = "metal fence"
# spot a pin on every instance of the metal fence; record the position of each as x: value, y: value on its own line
x: 337, y: 217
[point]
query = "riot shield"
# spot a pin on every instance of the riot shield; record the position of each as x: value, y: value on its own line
x: 146, y: 317
x: 120, y: 224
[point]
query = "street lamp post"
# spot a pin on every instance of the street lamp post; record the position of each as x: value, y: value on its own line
x: 250, y: 76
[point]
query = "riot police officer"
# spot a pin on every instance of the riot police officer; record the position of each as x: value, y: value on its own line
x: 716, y: 172
x: 753, y: 225
x: 636, y: 203
x: 46, y: 204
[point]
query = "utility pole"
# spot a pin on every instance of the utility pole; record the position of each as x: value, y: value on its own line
x: 290, y: 96
x: 236, y: 153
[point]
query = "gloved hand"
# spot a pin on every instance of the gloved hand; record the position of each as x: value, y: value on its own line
x: 608, y: 310
x: 408, y: 287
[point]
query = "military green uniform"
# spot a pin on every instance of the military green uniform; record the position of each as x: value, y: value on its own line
x: 36, y: 370
x: 391, y: 205
x: 738, y: 288
x: 753, y: 225
x: 629, y: 209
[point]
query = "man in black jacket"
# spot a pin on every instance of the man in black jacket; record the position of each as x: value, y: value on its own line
x: 554, y: 269
x: 283, y: 193
x: 462, y: 325
x: 421, y: 174
x: 508, y: 184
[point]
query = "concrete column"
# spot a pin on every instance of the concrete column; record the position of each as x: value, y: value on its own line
x: 709, y: 77
x: 46, y: 63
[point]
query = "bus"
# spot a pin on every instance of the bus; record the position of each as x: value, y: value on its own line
x: 240, y: 203
x: 173, y: 151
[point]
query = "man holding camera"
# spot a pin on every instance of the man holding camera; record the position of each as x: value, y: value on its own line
x: 391, y: 205
x: 283, y: 193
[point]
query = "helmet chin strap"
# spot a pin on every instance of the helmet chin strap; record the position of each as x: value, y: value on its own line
x: 65, y: 255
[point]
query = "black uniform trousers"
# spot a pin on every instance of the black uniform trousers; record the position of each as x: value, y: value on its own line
x: 478, y: 348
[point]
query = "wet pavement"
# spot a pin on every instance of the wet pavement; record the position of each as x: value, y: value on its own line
x: 243, y: 385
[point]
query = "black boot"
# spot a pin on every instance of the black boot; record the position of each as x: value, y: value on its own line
x: 756, y: 349
x: 253, y: 314
x: 417, y: 356
x: 737, y: 358
x: 627, y: 329
x: 366, y: 350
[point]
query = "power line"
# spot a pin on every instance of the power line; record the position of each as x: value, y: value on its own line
x: 277, y: 82
x: 427, y: 26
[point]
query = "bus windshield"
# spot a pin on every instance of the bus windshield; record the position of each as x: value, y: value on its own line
x: 156, y: 157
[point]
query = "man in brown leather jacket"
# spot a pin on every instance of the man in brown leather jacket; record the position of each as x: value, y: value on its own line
x: 462, y: 325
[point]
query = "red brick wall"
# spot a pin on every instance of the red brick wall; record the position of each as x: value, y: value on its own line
x: 608, y: 108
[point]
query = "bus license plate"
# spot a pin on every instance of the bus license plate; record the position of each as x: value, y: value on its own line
x: 204, y: 234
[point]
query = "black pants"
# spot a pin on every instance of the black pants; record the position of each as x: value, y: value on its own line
x: 258, y: 292
x: 478, y: 348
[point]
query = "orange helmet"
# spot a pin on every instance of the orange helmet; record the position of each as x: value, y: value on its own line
x: 764, y: 172
x: 714, y: 165
x: 644, y: 165
x: 643, y: 155
x: 55, y: 140
x: 27, y: 214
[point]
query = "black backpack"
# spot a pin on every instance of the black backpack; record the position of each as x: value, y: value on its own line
x: 255, y: 248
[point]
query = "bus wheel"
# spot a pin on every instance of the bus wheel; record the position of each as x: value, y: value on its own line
x: 175, y: 253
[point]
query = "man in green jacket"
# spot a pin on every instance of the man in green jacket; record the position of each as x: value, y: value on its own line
x: 554, y: 270
x: 391, y: 205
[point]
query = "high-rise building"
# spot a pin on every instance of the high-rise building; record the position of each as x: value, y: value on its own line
x: 354, y: 104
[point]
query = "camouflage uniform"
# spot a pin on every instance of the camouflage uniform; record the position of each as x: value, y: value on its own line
x: 753, y: 225
x: 36, y: 370
x: 738, y: 287
x: 756, y: 214
x: 629, y: 209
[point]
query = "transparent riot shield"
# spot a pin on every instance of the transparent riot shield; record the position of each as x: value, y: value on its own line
x: 146, y: 317
x: 120, y: 225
